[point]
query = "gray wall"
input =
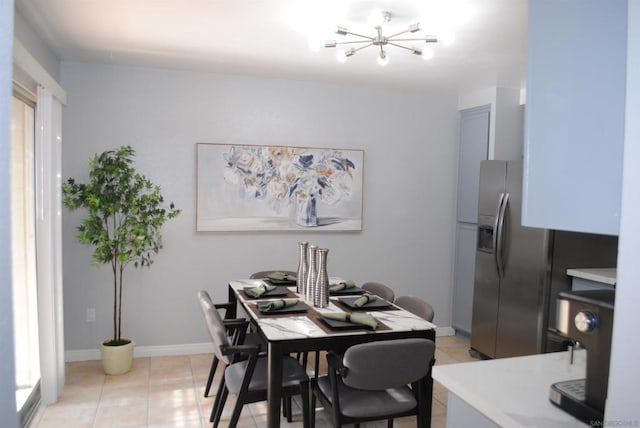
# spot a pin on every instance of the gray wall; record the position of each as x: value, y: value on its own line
x: 36, y: 47
x: 410, y: 157
x: 7, y: 373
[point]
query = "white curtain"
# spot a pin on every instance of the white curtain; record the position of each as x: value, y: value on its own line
x: 49, y: 243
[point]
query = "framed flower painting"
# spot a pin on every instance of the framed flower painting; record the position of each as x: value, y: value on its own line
x: 269, y: 188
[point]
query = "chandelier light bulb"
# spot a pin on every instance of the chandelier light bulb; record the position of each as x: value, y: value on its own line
x: 341, y: 55
x: 427, y: 53
x: 383, y: 59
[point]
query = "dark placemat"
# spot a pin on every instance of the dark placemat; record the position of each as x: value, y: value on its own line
x: 333, y: 326
x: 277, y: 292
x: 322, y: 323
x: 344, y: 325
x: 280, y: 282
x: 377, y: 305
x: 299, y: 307
x: 347, y: 291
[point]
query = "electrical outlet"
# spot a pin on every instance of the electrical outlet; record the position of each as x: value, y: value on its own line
x: 91, y: 314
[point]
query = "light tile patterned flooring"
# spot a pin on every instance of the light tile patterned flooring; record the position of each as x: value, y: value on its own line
x: 168, y: 392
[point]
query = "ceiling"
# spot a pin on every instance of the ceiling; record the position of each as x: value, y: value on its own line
x: 271, y: 38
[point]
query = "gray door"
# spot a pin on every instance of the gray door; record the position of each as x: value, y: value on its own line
x: 524, y: 256
x: 486, y: 292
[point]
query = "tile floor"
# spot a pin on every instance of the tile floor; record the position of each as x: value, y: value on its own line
x: 168, y: 392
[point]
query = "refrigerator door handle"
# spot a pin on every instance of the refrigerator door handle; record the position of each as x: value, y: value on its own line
x: 500, y: 235
x: 496, y: 225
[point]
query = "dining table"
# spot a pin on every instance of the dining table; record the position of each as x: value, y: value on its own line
x: 301, y: 328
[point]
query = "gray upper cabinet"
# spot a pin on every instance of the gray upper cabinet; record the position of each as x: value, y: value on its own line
x: 574, y: 117
x: 474, y: 145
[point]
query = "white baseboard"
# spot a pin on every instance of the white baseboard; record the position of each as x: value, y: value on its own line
x: 144, y: 351
x: 445, y: 331
x: 184, y: 349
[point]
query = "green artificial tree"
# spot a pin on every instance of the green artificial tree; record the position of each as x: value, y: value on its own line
x: 125, y: 213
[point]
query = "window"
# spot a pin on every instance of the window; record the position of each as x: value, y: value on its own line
x: 23, y: 241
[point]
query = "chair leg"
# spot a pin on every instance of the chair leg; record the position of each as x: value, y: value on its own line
x: 218, y: 403
x: 212, y: 372
x: 220, y: 408
x: 286, y: 408
x: 389, y: 423
x: 304, y: 395
x: 312, y: 409
x: 237, y: 410
x: 302, y: 358
x: 316, y: 372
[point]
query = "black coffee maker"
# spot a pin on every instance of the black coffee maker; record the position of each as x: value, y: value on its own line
x: 586, y: 317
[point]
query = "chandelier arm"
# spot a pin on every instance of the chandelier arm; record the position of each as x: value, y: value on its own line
x: 423, y: 39
x: 359, y: 35
x: 400, y: 46
x: 398, y: 34
x: 350, y: 42
x: 361, y: 47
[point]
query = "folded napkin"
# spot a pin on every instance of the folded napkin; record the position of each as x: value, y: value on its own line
x: 363, y: 300
x: 343, y: 285
x: 274, y: 305
x: 281, y: 276
x: 259, y: 290
x: 361, y: 318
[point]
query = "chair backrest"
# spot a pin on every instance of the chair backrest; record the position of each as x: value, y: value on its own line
x: 416, y: 306
x: 216, y: 327
x: 265, y: 273
x: 379, y: 290
x: 388, y: 363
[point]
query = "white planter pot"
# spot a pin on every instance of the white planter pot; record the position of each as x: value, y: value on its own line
x: 117, y: 359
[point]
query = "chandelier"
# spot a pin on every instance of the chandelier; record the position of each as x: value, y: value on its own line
x: 380, y: 41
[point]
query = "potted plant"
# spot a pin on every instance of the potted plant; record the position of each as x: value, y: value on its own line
x: 125, y: 213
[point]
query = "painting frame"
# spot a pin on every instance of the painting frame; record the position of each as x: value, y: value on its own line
x: 247, y: 187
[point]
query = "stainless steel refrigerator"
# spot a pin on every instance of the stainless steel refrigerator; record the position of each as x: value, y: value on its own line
x: 520, y: 270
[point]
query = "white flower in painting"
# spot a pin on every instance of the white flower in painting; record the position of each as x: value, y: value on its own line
x: 277, y: 189
x: 306, y: 185
x: 288, y: 174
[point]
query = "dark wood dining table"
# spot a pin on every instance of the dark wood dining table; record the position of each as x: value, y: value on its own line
x: 304, y: 331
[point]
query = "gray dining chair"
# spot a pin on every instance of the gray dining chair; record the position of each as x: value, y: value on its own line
x: 376, y: 381
x: 233, y: 325
x: 416, y: 306
x: 245, y: 373
x: 379, y: 290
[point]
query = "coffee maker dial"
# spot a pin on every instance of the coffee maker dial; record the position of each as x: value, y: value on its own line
x: 585, y: 321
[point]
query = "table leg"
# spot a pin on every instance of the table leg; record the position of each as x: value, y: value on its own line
x: 424, y: 403
x: 232, y: 312
x: 274, y: 384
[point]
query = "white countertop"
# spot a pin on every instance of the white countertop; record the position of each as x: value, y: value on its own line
x: 514, y: 392
x: 604, y: 275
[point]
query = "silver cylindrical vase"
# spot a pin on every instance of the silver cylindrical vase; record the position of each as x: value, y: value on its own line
x: 321, y: 297
x: 303, y: 267
x: 311, y: 273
